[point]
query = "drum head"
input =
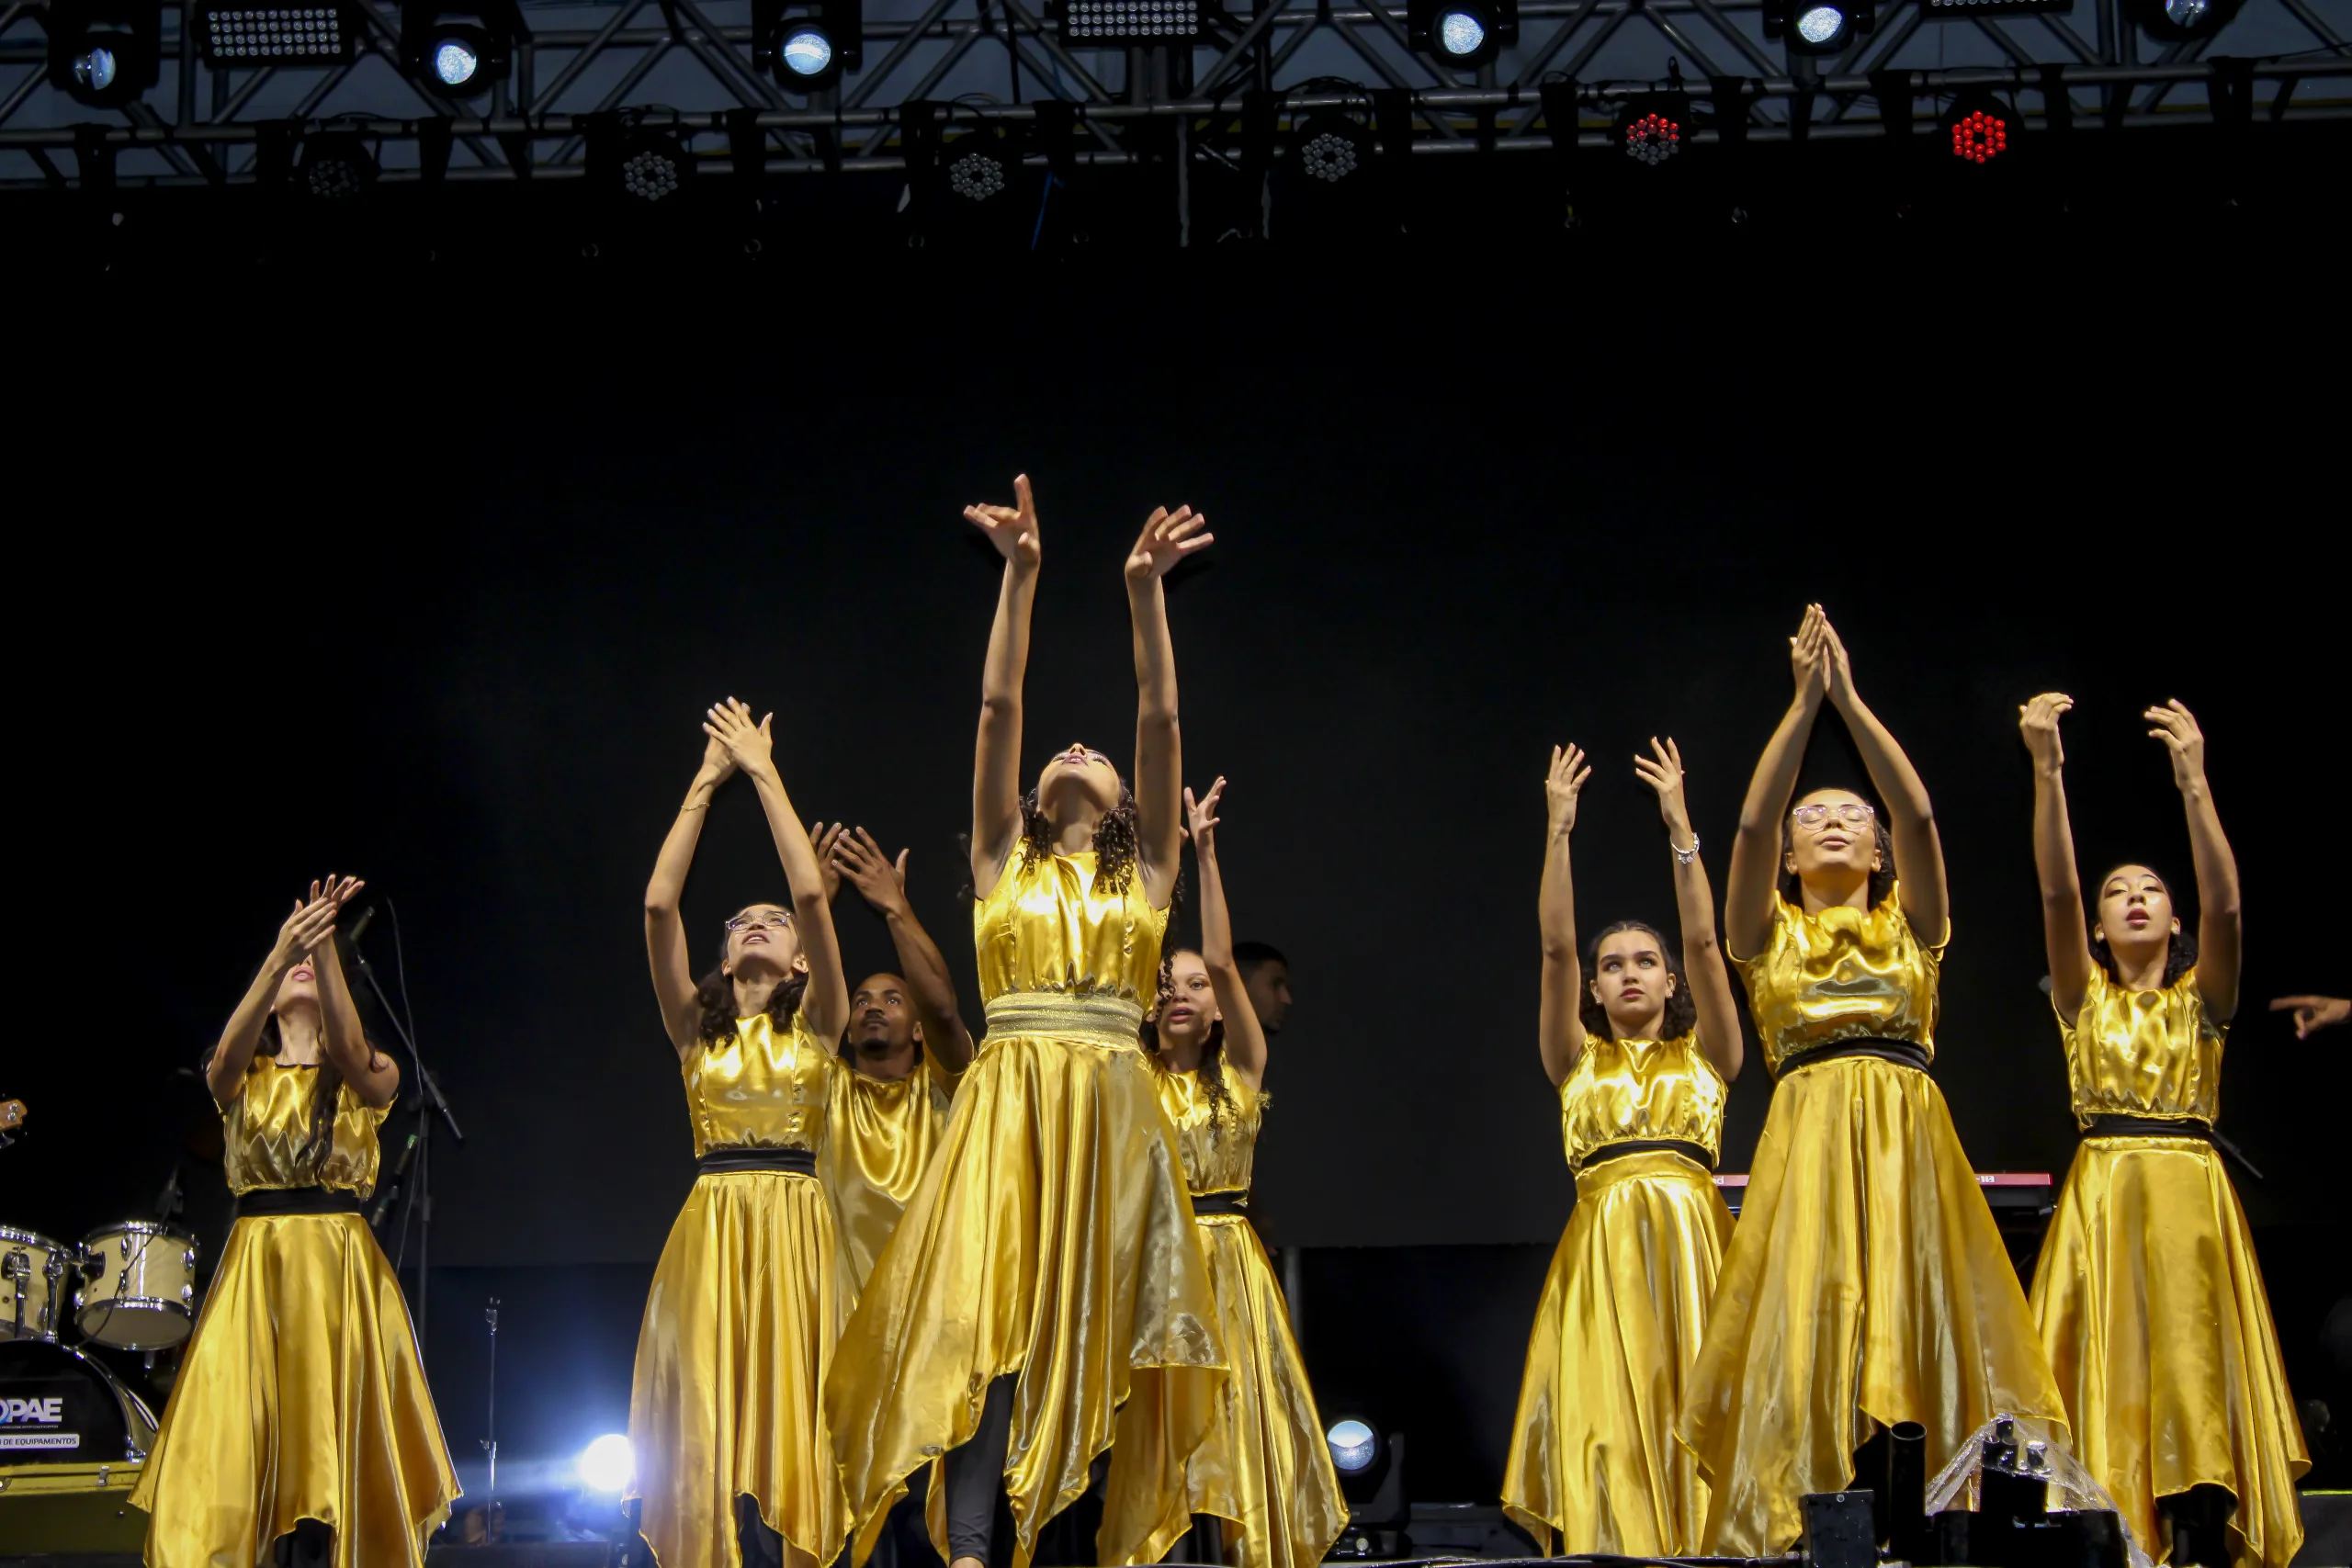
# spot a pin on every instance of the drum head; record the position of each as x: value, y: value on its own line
x: 57, y: 1406
x: 142, y: 1323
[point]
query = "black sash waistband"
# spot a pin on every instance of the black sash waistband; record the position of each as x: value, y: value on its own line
x: 798, y: 1162
x: 1901, y: 1052
x: 1695, y: 1152
x: 268, y: 1201
x: 1234, y: 1202
x: 2118, y: 1126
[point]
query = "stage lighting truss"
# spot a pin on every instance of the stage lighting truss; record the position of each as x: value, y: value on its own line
x: 1654, y: 128
x: 807, y: 44
x: 1462, y: 33
x: 1127, y: 21
x: 337, y: 166
x: 1961, y: 10
x: 268, y: 34
x: 1981, y: 129
x: 1332, y: 149
x: 2179, y: 21
x: 105, y: 53
x: 456, y: 51
x: 978, y: 165
x: 1818, y: 27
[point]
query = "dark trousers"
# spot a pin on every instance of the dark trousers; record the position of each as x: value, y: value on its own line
x: 979, y: 1518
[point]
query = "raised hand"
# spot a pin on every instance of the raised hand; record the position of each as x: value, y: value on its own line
x: 1838, y: 678
x: 2177, y: 728
x: 311, y: 922
x: 2038, y: 722
x: 1662, y: 770
x: 879, y: 881
x: 718, y: 762
x: 1200, y: 817
x: 750, y: 746
x: 1563, y: 784
x: 824, y: 840
x: 1011, y: 529
x: 1809, y: 655
x: 1167, y: 538
x: 2312, y: 1013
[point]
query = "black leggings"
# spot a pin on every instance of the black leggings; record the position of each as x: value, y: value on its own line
x: 974, y: 1477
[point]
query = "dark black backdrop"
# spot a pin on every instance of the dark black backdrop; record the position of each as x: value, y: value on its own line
x: 315, y: 596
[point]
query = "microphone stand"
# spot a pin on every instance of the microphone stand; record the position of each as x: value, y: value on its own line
x: 430, y: 1099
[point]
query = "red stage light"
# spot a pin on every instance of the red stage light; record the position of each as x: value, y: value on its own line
x: 1653, y: 139
x: 1980, y: 137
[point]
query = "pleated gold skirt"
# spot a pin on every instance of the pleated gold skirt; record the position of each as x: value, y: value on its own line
x: 1051, y: 1238
x: 1264, y: 1466
x: 302, y: 1397
x: 2153, y: 1312
x: 1594, y: 1466
x: 725, y: 1400
x: 1865, y: 1284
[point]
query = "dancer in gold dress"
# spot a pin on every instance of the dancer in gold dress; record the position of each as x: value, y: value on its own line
x: 300, y: 1430
x: 2148, y: 1300
x: 1265, y: 1470
x: 1865, y: 1284
x: 1642, y: 1062
x: 725, y: 1420
x: 1047, y: 1270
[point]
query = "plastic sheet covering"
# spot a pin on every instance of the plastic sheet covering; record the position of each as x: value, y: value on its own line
x: 2036, y: 1453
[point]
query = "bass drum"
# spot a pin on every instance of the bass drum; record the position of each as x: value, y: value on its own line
x: 33, y: 1275
x: 139, y: 1286
x: 57, y: 1406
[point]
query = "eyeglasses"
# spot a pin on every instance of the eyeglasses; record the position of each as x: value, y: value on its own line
x: 1848, y: 811
x: 747, y: 921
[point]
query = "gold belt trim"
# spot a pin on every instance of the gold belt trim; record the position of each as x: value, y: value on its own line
x: 1093, y: 1019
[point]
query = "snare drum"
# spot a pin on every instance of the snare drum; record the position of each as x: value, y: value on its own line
x: 32, y: 1274
x: 139, y: 1286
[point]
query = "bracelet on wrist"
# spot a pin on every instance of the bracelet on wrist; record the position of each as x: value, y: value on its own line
x: 1683, y: 856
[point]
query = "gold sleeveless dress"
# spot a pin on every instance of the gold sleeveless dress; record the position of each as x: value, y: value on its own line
x: 1593, y: 1465
x: 879, y: 1137
x: 2148, y: 1297
x: 1865, y: 1283
x: 1050, y: 1237
x: 1264, y: 1466
x: 740, y: 1325
x: 301, y: 1396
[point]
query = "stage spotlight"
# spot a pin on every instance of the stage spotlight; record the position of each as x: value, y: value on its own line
x: 1332, y: 149
x: 1818, y: 27
x: 1125, y: 21
x: 1462, y: 33
x: 2178, y: 21
x: 105, y: 52
x: 606, y: 1464
x: 1654, y: 128
x: 1354, y: 1446
x: 239, y: 34
x: 1980, y: 128
x: 455, y: 52
x: 807, y: 44
x: 337, y: 166
x: 978, y: 165
x: 654, y: 164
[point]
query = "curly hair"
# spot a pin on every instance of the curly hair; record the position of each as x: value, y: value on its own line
x: 1681, y: 1013
x: 1881, y: 880
x: 1115, y: 841
x: 1212, y: 1069
x: 2180, y: 951
x: 714, y: 994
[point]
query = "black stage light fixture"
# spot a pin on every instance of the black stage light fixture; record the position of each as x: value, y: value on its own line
x: 1654, y: 128
x: 978, y: 165
x: 1332, y: 149
x: 460, y: 51
x: 238, y: 34
x: 1961, y: 10
x: 1980, y: 129
x: 1127, y: 21
x: 337, y: 166
x: 1818, y: 27
x: 105, y: 52
x: 1461, y: 32
x: 807, y: 44
x: 2178, y: 21
x: 651, y: 165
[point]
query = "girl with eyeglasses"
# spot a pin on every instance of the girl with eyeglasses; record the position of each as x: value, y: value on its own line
x: 1866, y: 1285
x: 733, y: 1462
x: 2148, y: 1297
x: 1641, y: 1053
x: 1046, y: 1272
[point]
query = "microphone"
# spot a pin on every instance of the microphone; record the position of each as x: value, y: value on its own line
x: 359, y: 928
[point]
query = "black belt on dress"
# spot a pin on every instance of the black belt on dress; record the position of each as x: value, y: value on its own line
x: 718, y: 1162
x: 1695, y: 1152
x: 1901, y: 1052
x: 1234, y: 1202
x: 2119, y: 1126
x: 267, y: 1201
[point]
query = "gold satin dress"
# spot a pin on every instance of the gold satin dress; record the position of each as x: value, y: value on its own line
x: 2149, y: 1300
x: 1264, y: 1466
x: 301, y: 1396
x: 740, y: 1325
x: 1051, y: 1238
x: 879, y: 1137
x: 1865, y: 1283
x: 1594, y: 1466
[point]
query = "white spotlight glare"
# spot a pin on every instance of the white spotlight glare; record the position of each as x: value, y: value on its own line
x: 1819, y: 24
x: 806, y: 52
x: 1353, y: 1445
x: 606, y: 1464
x: 95, y: 69
x: 1459, y: 34
x: 2186, y: 13
x: 454, y: 63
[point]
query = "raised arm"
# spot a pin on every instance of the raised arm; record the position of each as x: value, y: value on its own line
x: 1752, y: 884
x: 1167, y: 538
x: 858, y: 859
x: 1559, y: 1026
x: 1245, y: 1037
x: 2219, y: 937
x: 311, y: 923
x: 996, y: 760
x: 665, y: 933
x: 371, y: 1074
x: 825, y: 1004
x: 2064, y: 936
x: 1919, y: 850
x: 1694, y: 905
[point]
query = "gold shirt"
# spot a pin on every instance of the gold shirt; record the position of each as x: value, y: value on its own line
x: 2154, y: 1053
x: 1046, y: 927
x: 879, y: 1135
x: 1641, y: 1088
x: 267, y: 1125
x: 1841, y: 975
x: 1217, y: 1151
x: 764, y: 1088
